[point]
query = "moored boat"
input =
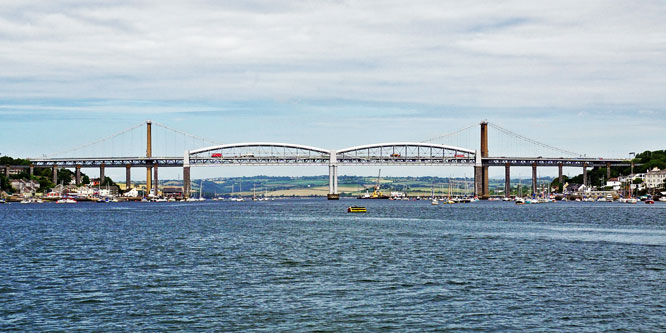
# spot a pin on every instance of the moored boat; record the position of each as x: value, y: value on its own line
x: 356, y: 209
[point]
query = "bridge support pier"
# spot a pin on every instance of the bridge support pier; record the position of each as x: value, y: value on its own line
x: 485, y: 193
x: 186, y: 175
x: 507, y: 180
x: 560, y: 175
x: 32, y: 170
x: 128, y: 174
x: 149, y: 179
x: 585, y: 174
x: 333, y: 178
x: 608, y: 173
x: 78, y: 174
x: 155, y: 181
x: 534, y: 179
x: 54, y: 173
x: 102, y: 176
x: 478, y: 176
x: 7, y: 171
x: 186, y: 182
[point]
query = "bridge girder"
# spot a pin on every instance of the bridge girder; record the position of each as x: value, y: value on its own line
x: 405, y: 153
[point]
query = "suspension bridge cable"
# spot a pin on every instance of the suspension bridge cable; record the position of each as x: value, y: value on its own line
x: 98, y: 141
x: 508, y: 132
x: 187, y: 134
x: 452, y: 133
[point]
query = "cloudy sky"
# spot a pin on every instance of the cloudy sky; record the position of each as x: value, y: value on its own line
x: 586, y: 76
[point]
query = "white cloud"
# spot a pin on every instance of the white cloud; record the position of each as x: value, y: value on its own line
x: 507, y: 54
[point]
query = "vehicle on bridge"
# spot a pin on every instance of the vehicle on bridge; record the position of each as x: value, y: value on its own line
x: 216, y: 155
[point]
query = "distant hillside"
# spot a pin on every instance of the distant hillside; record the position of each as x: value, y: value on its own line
x: 348, y: 185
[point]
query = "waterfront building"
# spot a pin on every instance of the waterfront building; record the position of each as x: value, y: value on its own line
x: 25, y: 186
x: 630, y: 179
x: 655, y: 178
x: 614, y: 183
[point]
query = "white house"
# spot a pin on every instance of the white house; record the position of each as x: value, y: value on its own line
x: 655, y: 178
x: 631, y: 178
x: 614, y: 183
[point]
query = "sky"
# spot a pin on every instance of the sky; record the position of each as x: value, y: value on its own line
x: 584, y: 76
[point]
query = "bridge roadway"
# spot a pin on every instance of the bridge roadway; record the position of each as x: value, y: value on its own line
x: 267, y: 153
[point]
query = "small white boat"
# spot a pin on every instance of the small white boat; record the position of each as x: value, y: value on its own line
x: 434, y: 202
x: 66, y: 201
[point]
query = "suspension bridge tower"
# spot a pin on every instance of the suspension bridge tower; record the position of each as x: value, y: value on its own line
x: 480, y: 170
x: 149, y: 154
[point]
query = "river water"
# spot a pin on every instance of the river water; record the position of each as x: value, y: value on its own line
x: 307, y: 265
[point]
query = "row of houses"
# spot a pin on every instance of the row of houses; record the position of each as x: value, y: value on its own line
x: 652, y: 179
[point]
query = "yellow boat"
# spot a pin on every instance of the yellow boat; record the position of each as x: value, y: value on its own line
x: 355, y: 209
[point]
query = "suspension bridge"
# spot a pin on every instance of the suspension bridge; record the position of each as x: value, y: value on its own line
x: 200, y: 152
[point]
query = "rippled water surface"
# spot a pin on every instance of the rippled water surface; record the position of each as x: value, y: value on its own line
x: 303, y: 265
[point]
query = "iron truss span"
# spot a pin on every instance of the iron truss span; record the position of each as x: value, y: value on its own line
x: 405, y: 153
x: 259, y: 153
x: 109, y: 162
x: 547, y: 161
x: 270, y: 153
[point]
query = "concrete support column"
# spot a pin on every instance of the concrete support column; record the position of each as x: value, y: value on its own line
x: 78, y: 174
x: 149, y: 179
x: 608, y: 173
x: 632, y: 167
x: 102, y: 176
x: 333, y: 177
x: 32, y: 170
x: 128, y: 176
x: 534, y: 179
x: 478, y: 181
x: 155, y: 180
x: 585, y: 174
x: 186, y: 175
x: 7, y: 171
x: 507, y: 180
x: 186, y: 182
x: 478, y: 175
x: 335, y: 180
x: 55, y: 174
x: 560, y: 175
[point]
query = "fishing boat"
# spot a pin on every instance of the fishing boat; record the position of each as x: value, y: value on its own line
x: 356, y: 209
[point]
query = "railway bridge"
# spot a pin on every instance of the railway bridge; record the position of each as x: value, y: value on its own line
x: 273, y: 153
